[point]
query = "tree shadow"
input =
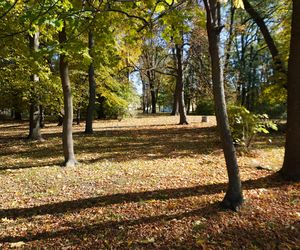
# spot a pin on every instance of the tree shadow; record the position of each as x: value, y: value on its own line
x: 111, y: 225
x: 77, y: 205
x: 269, y: 181
x: 121, y: 145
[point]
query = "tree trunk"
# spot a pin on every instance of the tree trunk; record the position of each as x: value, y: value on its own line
x: 175, y: 107
x: 175, y: 101
x: 34, y: 117
x: 68, y: 145
x: 34, y: 123
x: 151, y: 77
x: 153, y: 101
x: 179, y: 83
x: 101, y: 111
x: 18, y: 116
x: 78, y: 116
x: 42, y: 117
x: 92, y: 89
x: 144, y: 93
x: 233, y: 198
x: 291, y: 164
x: 230, y: 39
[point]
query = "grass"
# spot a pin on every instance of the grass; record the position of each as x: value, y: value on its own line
x: 143, y: 183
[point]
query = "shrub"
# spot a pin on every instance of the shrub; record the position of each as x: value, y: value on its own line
x: 245, y: 125
x: 205, y: 107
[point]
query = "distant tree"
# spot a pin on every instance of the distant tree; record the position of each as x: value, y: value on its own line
x: 254, y: 14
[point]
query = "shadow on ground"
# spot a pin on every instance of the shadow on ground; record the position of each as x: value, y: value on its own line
x: 119, y: 145
x: 115, y: 227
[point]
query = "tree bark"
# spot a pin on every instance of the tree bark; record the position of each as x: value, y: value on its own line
x: 42, y: 117
x: 153, y: 101
x: 175, y: 101
x: 230, y: 39
x: 151, y: 77
x: 34, y: 123
x: 92, y: 89
x: 233, y: 198
x: 175, y: 107
x: 278, y: 63
x: 291, y: 164
x: 179, y: 83
x: 68, y: 145
x: 34, y: 112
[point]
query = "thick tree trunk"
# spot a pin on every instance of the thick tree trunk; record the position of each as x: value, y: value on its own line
x: 179, y: 83
x: 34, y: 113
x: 291, y: 164
x: 92, y: 89
x: 278, y: 63
x: 233, y: 198
x: 68, y: 145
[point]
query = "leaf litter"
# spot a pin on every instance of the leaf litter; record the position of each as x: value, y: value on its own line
x: 142, y: 184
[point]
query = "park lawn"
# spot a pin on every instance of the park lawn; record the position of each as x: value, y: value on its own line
x: 142, y: 183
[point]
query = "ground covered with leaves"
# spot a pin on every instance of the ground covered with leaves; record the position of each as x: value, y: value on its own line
x: 142, y: 183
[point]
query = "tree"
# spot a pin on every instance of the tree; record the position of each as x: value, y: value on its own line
x: 180, y: 84
x: 35, y: 112
x: 278, y: 62
x: 68, y: 145
x: 92, y: 88
x: 233, y: 198
x: 291, y: 164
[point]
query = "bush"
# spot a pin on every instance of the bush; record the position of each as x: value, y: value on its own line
x: 245, y: 125
x: 205, y: 107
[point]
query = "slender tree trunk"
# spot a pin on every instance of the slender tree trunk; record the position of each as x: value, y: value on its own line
x: 175, y: 107
x: 230, y: 39
x: 34, y: 117
x: 278, y: 63
x: 101, y: 111
x: 78, y: 116
x: 233, y: 198
x: 18, y: 116
x: 42, y: 117
x: 150, y: 76
x: 179, y: 83
x: 34, y: 123
x: 291, y: 164
x: 144, y: 93
x: 153, y: 101
x: 175, y: 101
x: 92, y: 89
x: 68, y: 145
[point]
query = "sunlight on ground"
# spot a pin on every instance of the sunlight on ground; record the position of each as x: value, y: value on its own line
x: 143, y: 183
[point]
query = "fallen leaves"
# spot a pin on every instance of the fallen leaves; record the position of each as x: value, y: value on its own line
x: 141, y: 186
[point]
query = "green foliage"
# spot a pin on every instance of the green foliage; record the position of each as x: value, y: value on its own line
x: 205, y: 107
x: 245, y: 125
